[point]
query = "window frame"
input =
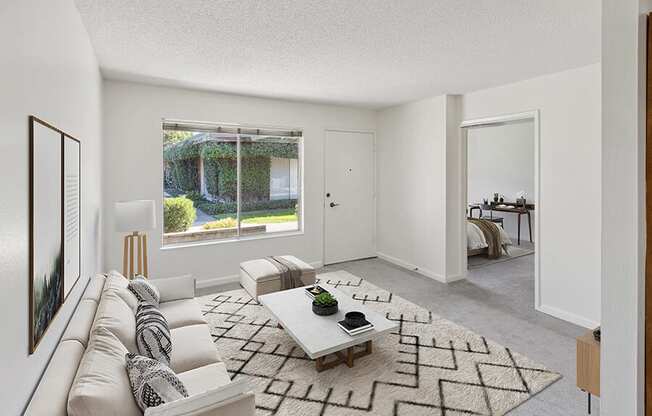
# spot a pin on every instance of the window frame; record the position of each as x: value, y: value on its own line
x: 217, y: 127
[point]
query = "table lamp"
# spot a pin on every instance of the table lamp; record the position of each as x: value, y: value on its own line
x: 135, y: 217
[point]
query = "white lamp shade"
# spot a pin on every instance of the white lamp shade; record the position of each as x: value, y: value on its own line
x: 135, y: 216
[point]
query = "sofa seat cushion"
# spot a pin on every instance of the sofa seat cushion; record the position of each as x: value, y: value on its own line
x: 205, y: 378
x: 192, y: 347
x: 80, y: 324
x: 116, y: 315
x: 183, y: 312
x: 101, y: 386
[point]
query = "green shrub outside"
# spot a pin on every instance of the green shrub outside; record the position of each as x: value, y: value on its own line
x: 228, y: 222
x: 178, y: 214
x: 194, y: 196
x: 219, y: 208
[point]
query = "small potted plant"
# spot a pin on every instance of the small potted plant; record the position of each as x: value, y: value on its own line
x: 324, y: 304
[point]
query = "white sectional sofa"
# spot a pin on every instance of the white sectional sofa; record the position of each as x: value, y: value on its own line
x: 87, y: 376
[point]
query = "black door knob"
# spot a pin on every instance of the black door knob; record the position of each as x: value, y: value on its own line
x: 333, y: 204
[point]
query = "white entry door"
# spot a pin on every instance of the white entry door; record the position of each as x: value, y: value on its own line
x: 350, y: 208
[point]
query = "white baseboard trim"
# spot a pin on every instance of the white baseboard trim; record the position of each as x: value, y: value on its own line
x: 317, y: 264
x: 455, y: 277
x: 412, y: 267
x: 217, y: 281
x: 568, y: 316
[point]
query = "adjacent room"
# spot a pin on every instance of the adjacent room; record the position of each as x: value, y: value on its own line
x: 338, y: 208
x: 500, y: 180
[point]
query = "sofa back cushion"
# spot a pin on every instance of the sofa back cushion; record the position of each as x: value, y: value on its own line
x: 115, y: 315
x: 80, y: 324
x: 51, y: 395
x: 101, y: 386
x: 94, y: 289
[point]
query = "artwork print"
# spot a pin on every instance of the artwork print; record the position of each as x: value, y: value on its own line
x: 55, y: 207
x: 46, y: 244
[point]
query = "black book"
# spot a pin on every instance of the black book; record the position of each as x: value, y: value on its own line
x: 352, y: 330
x: 313, y: 291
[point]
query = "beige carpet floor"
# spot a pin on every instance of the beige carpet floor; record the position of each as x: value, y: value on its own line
x: 429, y: 366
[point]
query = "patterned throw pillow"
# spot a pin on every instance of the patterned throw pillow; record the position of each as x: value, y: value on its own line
x: 152, y: 333
x: 144, y: 291
x: 153, y: 383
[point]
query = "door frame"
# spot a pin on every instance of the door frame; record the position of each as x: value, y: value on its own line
x: 323, y: 186
x: 497, y: 121
x: 647, y: 312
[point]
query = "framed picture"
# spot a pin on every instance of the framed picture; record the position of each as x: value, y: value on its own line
x: 71, y: 213
x: 55, y: 207
x: 46, y: 225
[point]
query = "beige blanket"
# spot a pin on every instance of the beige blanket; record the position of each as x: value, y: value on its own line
x: 492, y: 235
x: 290, y: 272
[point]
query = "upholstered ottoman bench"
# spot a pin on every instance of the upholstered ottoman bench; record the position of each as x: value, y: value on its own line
x: 272, y: 274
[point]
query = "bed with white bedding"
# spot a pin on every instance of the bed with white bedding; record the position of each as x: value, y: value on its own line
x: 476, y: 242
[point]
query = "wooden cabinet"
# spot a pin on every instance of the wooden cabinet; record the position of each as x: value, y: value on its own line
x: 588, y: 365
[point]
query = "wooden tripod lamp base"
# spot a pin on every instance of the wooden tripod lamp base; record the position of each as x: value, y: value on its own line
x: 129, y: 216
x: 133, y: 242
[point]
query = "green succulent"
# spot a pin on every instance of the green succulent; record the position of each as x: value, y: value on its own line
x: 325, y: 299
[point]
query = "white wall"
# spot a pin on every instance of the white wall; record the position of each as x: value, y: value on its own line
x: 501, y: 159
x: 48, y: 69
x: 623, y: 206
x: 283, y: 178
x: 569, y: 208
x: 412, y: 199
x: 134, y: 168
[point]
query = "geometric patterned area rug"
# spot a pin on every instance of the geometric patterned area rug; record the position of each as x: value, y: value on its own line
x: 429, y: 366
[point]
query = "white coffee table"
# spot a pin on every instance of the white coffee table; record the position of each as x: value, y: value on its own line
x: 320, y: 336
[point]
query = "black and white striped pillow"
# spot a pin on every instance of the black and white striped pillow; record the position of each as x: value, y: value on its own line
x: 152, y: 333
x: 152, y: 382
x: 144, y: 291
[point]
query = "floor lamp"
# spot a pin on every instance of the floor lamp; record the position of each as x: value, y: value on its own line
x: 135, y: 217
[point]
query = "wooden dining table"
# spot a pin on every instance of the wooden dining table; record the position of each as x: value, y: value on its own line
x: 510, y: 207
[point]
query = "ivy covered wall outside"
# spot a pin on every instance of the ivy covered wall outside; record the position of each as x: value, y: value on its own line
x: 182, y: 164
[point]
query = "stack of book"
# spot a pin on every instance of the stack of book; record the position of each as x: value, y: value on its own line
x: 313, y: 291
x: 358, y: 329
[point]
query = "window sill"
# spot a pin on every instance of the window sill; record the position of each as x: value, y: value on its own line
x: 232, y: 240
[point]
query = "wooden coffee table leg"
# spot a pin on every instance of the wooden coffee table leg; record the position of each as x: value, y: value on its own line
x: 349, y: 357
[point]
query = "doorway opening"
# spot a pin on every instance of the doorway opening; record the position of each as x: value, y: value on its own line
x: 500, y: 191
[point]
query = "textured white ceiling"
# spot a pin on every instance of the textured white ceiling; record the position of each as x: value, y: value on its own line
x: 372, y: 53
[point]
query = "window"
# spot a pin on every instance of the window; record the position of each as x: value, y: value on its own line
x: 226, y: 182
